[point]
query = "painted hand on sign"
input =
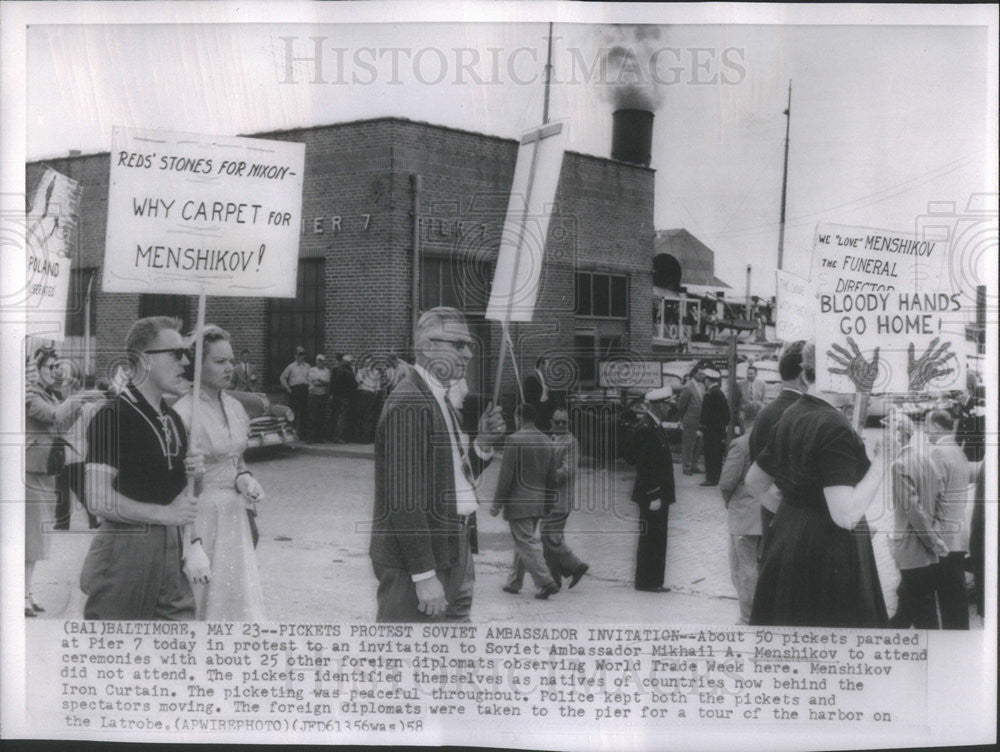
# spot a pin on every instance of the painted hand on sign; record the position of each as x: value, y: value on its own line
x: 928, y: 366
x: 859, y: 370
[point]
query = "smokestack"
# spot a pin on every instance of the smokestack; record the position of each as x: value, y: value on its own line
x: 632, y: 136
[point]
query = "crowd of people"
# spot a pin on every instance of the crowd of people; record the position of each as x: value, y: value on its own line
x: 798, y: 485
x: 797, y: 481
x: 340, y: 402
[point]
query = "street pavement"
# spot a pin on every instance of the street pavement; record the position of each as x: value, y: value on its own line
x: 313, y: 550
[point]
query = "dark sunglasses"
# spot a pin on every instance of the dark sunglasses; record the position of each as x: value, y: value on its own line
x: 179, y: 353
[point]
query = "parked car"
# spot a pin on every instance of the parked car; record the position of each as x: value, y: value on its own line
x: 270, y: 424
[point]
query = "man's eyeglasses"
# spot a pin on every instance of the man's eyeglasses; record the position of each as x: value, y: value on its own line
x: 179, y: 353
x: 458, y: 344
x: 560, y: 422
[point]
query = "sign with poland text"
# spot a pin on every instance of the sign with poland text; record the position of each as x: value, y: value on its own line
x: 51, y: 227
x: 214, y: 215
x: 883, y: 310
x: 793, y: 318
x: 526, y: 226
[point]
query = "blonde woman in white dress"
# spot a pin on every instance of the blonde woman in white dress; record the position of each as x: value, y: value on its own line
x: 221, y: 560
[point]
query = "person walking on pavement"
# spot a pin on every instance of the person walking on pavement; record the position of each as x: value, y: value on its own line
x: 743, y: 522
x: 538, y: 395
x: 319, y: 386
x: 649, y: 450
x: 295, y: 380
x: 136, y: 482
x: 713, y: 426
x: 689, y: 412
x: 523, y: 494
x: 342, y: 388
x: 47, y: 416
x: 423, y: 527
x: 244, y: 373
x: 229, y: 586
x: 558, y: 555
x: 793, y: 386
x: 950, y: 518
x: 916, y: 546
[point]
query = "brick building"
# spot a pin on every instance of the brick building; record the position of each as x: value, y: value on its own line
x: 398, y: 215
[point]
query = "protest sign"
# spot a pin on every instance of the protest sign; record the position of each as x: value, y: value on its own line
x: 526, y: 226
x: 794, y: 308
x: 214, y: 215
x: 50, y: 227
x: 882, y: 312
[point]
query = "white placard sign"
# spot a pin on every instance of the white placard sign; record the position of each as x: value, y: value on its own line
x: 522, y: 245
x: 51, y: 223
x: 191, y: 214
x: 877, y: 289
x: 793, y: 318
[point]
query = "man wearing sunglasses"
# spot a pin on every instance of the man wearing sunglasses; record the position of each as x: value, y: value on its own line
x: 135, y: 483
x: 426, y: 470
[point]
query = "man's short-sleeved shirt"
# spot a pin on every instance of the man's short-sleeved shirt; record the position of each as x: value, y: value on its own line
x: 145, y: 447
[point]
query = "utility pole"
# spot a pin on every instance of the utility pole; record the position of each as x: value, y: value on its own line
x: 784, y: 178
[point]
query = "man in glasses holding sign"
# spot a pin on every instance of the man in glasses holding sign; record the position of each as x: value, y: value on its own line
x: 426, y: 470
x: 135, y: 482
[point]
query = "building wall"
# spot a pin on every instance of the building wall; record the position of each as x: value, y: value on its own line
x: 357, y: 214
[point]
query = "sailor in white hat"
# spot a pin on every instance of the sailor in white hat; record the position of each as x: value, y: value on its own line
x: 653, y: 492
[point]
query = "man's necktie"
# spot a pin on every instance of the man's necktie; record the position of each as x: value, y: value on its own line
x: 456, y: 432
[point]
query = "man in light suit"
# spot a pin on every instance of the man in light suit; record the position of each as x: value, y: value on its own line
x: 423, y: 531
x: 916, y: 546
x: 523, y: 493
x: 743, y: 520
x: 689, y: 411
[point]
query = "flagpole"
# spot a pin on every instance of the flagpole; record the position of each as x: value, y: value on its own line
x: 784, y: 178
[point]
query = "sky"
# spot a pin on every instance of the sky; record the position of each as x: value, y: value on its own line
x: 885, y: 120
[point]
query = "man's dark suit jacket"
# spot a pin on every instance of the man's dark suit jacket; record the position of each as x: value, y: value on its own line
x: 768, y: 418
x: 415, y: 526
x: 527, y: 475
x: 654, y: 465
x: 533, y: 396
x: 714, y: 412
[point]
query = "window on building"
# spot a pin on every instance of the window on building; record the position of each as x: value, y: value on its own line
x: 602, y: 295
x: 297, y: 321
x: 178, y: 306
x: 460, y: 283
x: 75, y: 308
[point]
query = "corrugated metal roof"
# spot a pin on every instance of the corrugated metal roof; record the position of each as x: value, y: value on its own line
x: 697, y: 260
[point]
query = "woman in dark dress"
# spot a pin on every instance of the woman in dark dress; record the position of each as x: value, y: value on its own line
x: 819, y: 567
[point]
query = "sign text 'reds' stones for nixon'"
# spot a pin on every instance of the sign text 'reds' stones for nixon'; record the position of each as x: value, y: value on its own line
x: 883, y: 310
x: 190, y: 214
